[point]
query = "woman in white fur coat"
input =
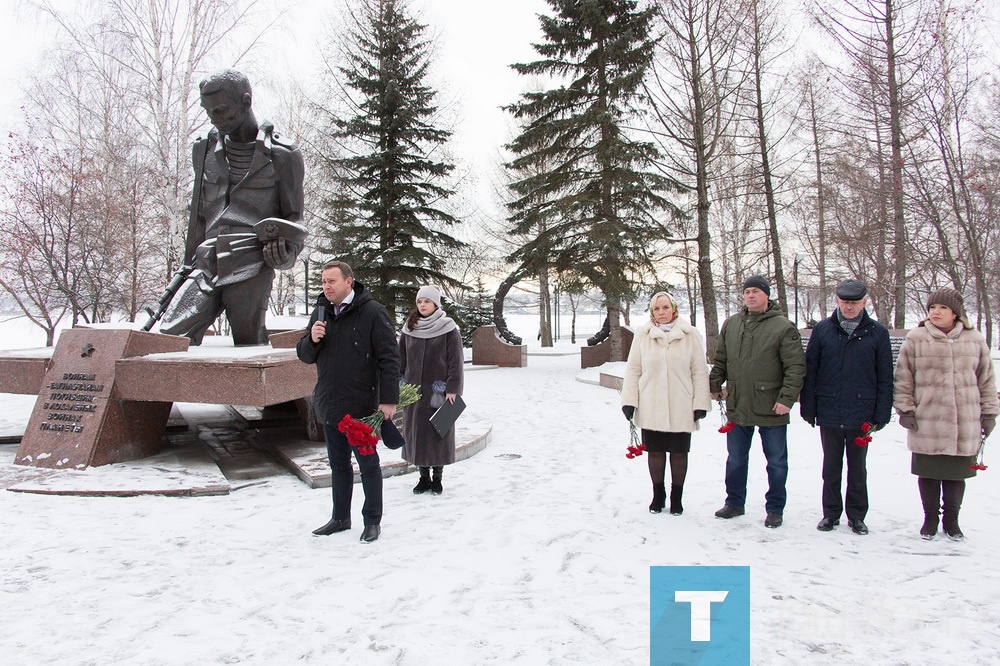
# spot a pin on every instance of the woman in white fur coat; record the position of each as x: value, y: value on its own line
x: 665, y: 391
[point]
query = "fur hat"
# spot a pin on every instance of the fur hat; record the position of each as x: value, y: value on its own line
x: 950, y: 298
x: 759, y: 282
x: 432, y: 293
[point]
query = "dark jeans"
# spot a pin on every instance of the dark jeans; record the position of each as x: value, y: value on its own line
x: 342, y: 476
x: 774, y: 441
x: 837, y: 441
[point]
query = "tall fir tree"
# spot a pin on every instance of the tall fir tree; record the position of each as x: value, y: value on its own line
x: 384, y: 214
x: 589, y: 197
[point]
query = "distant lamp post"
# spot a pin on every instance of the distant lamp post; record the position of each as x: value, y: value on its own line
x: 799, y: 258
x: 305, y: 282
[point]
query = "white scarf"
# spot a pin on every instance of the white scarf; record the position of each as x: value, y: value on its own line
x: 431, y: 326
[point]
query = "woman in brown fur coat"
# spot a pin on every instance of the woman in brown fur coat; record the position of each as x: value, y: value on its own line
x: 946, y: 397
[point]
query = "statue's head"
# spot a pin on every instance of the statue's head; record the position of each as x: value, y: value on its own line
x: 227, y: 99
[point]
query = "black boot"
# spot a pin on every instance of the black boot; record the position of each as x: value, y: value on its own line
x: 953, y: 492
x: 659, y: 498
x: 436, y: 488
x: 424, y: 484
x: 930, y: 497
x: 676, y: 508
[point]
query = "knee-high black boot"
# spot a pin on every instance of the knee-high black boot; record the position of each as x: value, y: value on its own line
x: 952, y: 493
x: 930, y: 497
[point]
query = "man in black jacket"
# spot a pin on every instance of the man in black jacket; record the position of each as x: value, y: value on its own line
x: 848, y: 383
x: 353, y: 344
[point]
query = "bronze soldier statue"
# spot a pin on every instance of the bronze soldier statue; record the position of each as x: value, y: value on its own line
x: 246, y: 211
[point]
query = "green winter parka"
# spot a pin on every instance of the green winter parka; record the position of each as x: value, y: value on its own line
x: 760, y: 360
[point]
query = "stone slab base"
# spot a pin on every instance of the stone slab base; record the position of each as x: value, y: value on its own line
x: 181, y: 471
x: 308, y: 461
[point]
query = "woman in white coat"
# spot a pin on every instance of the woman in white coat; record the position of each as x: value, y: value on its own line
x: 665, y: 391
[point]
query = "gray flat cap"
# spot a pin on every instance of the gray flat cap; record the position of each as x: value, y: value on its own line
x: 851, y: 290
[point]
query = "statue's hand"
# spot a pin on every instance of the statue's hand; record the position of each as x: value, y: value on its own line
x: 279, y: 254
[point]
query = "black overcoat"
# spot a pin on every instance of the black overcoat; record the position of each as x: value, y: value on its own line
x: 848, y: 377
x: 357, y: 362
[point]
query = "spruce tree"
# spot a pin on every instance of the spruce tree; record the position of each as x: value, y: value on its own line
x: 384, y: 214
x: 588, y: 196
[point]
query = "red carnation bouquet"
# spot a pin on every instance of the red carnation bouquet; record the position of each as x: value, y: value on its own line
x: 636, y: 448
x: 979, y: 465
x: 362, y: 433
x: 727, y: 424
x: 865, y: 439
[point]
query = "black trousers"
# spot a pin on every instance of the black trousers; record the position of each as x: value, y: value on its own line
x: 836, y: 443
x: 342, y: 477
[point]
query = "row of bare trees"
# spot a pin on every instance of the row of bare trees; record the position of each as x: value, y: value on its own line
x: 858, y: 138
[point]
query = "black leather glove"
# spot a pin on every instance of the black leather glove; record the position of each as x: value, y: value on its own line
x: 699, y: 414
x: 628, y: 411
x: 988, y: 423
x: 877, y: 426
x: 909, y: 421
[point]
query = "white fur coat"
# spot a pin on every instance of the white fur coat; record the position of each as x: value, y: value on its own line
x: 666, y: 377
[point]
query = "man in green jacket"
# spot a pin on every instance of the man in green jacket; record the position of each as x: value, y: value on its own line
x: 760, y: 361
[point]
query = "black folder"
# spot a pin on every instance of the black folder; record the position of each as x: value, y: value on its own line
x: 446, y: 415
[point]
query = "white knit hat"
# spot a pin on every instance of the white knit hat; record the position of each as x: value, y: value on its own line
x: 432, y: 293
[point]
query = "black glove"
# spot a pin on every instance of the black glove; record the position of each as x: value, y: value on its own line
x: 877, y: 426
x: 699, y: 414
x: 988, y: 423
x: 628, y: 411
x: 909, y: 421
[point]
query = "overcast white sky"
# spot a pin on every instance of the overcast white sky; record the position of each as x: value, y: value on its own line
x: 476, y: 43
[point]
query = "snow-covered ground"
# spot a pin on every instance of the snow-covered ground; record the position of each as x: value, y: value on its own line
x: 538, y: 552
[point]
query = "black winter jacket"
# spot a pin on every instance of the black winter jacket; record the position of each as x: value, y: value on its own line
x: 357, y: 362
x: 848, y: 378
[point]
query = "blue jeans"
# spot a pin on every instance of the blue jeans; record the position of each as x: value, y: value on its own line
x: 342, y: 478
x: 775, y: 442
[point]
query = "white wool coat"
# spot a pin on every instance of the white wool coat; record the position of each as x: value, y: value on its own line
x: 948, y: 381
x: 666, y: 377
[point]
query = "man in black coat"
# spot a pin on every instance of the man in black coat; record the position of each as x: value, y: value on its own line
x: 353, y: 344
x: 848, y: 383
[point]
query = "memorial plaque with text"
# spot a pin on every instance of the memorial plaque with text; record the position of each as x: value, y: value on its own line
x: 78, y: 420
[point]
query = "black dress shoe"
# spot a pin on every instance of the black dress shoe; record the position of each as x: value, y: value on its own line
x: 858, y: 526
x: 729, y: 512
x: 772, y: 520
x: 370, y: 533
x: 827, y: 524
x: 332, y: 527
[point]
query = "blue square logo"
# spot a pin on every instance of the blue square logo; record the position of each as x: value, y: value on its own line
x: 699, y: 615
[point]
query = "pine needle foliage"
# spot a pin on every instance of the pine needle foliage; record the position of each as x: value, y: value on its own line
x: 386, y: 216
x: 588, y: 196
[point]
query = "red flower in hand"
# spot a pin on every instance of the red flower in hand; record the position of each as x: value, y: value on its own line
x: 726, y: 428
x: 636, y: 448
x: 865, y: 439
x: 979, y: 465
x: 360, y: 435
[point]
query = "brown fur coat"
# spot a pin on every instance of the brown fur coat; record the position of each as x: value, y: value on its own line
x: 948, y: 381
